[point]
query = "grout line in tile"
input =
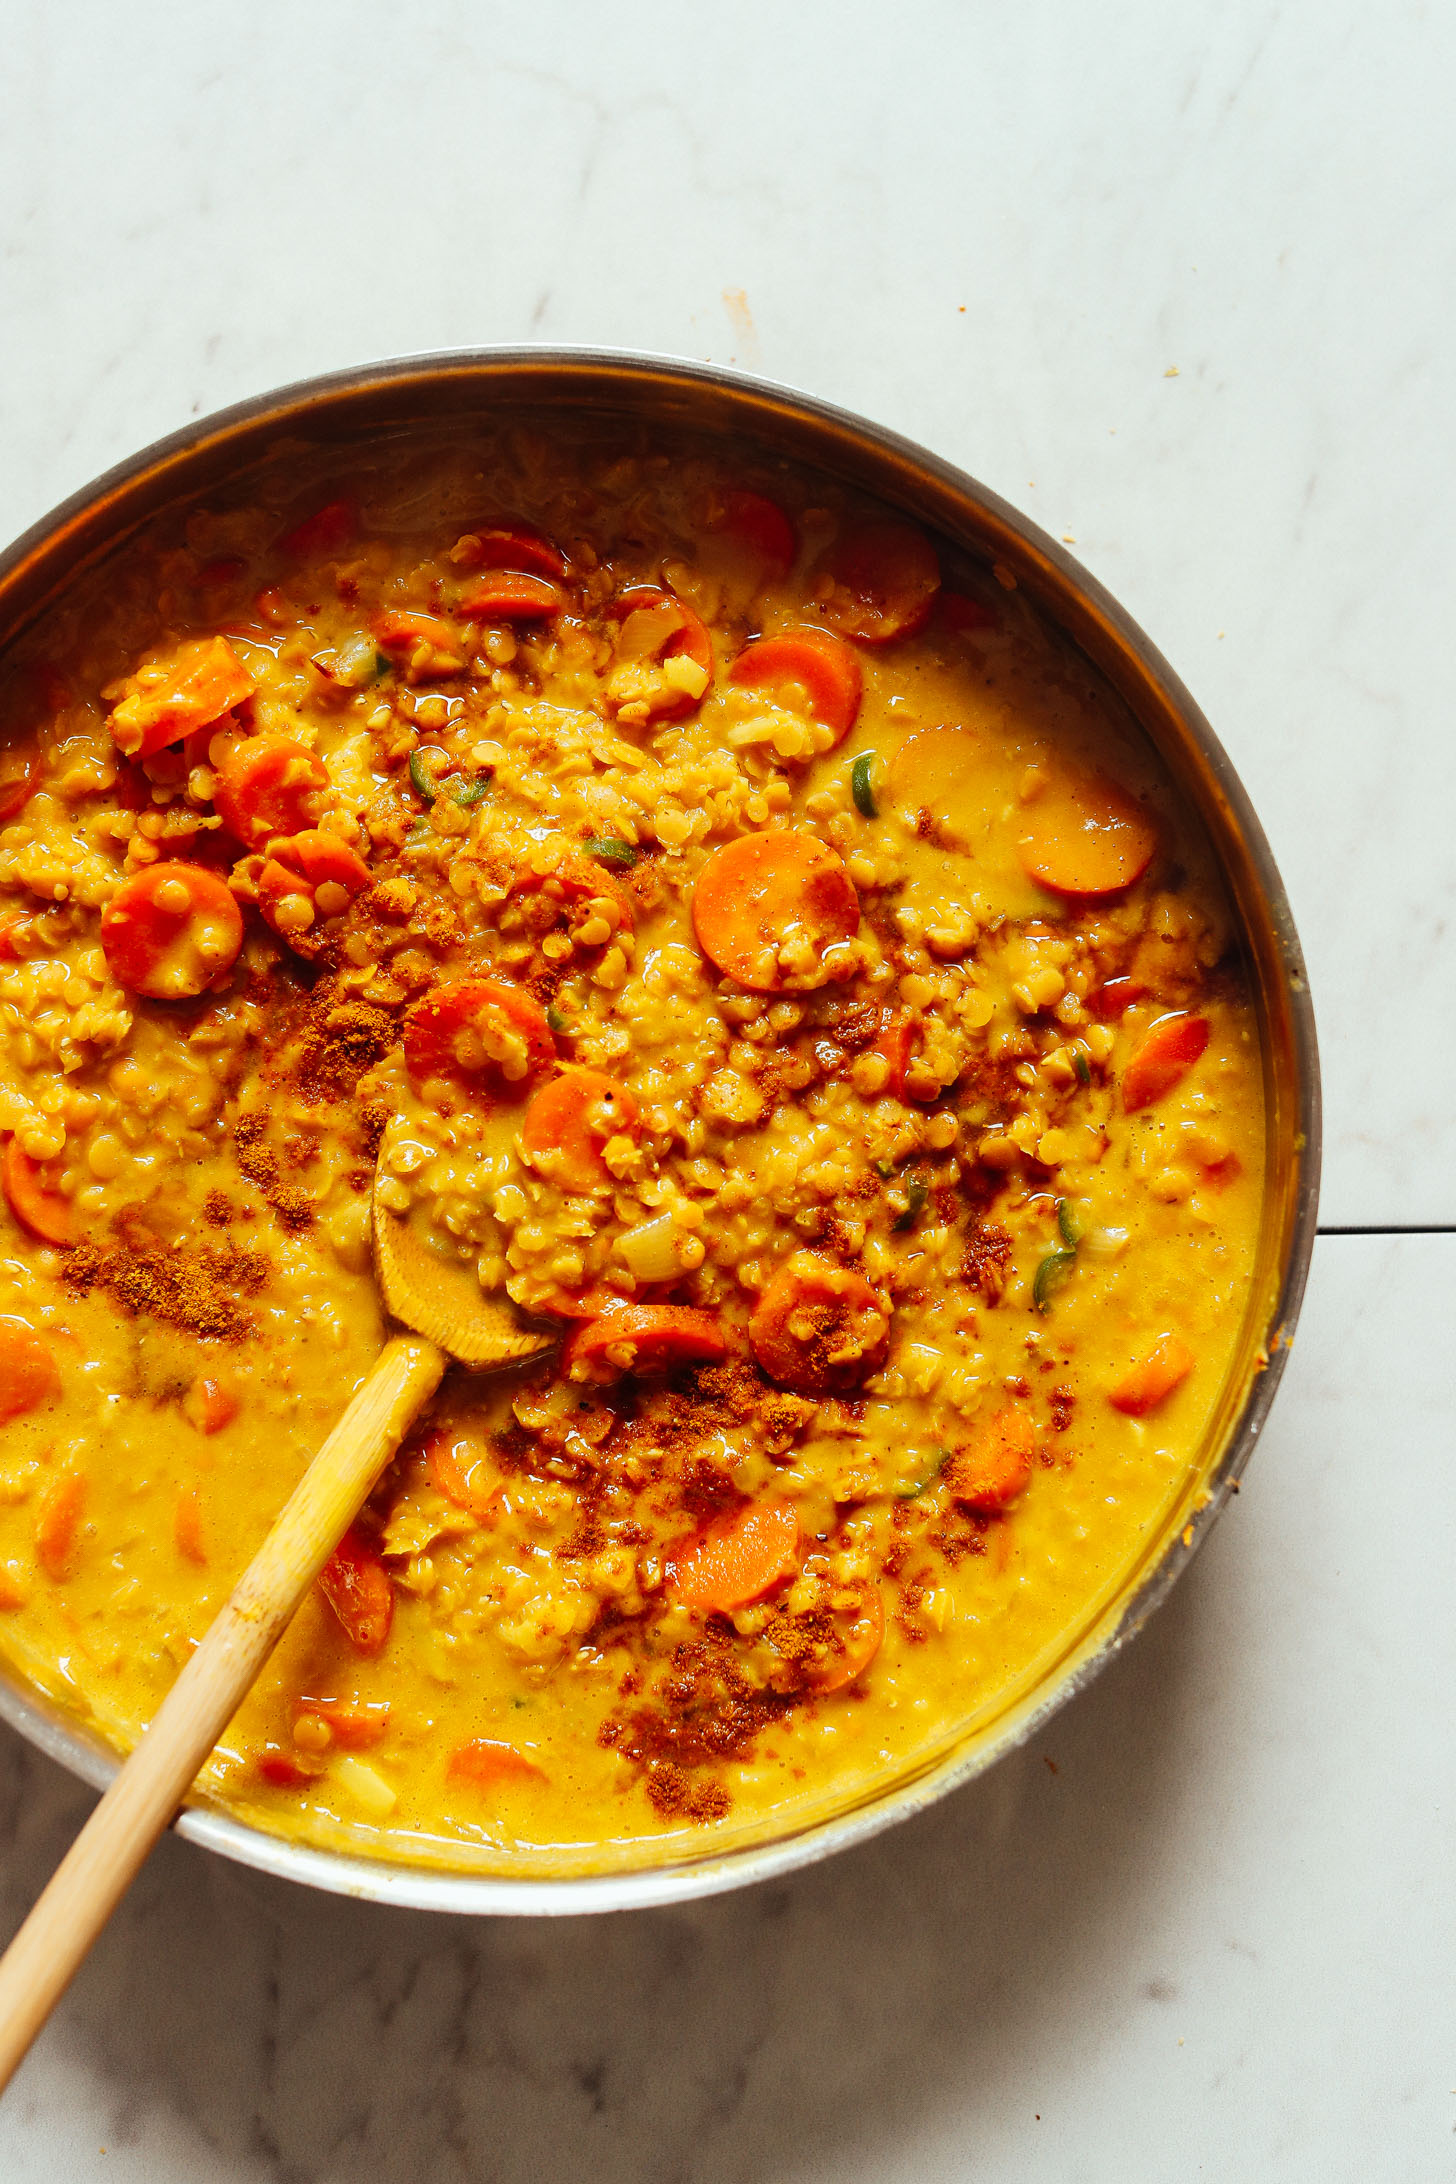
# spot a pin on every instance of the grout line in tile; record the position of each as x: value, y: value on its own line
x: 1396, y: 1228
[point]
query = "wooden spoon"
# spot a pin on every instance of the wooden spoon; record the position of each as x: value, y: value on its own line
x: 444, y: 1314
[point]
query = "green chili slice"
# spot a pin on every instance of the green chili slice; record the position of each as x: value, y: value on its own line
x: 921, y: 1486
x: 555, y: 1019
x: 1079, y: 1063
x: 1050, y: 1275
x: 861, y: 788
x: 1069, y: 1223
x: 609, y: 850
x: 470, y: 792
x: 917, y: 1191
x: 425, y: 783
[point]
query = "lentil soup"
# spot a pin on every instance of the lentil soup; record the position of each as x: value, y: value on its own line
x: 765, y: 953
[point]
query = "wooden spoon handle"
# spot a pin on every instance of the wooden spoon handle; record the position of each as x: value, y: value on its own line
x: 100, y: 1865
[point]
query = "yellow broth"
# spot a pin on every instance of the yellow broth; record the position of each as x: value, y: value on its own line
x: 663, y: 1591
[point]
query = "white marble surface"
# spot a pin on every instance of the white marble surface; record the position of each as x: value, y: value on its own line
x: 1178, y: 282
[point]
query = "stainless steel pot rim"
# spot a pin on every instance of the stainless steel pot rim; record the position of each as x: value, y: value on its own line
x: 430, y: 1887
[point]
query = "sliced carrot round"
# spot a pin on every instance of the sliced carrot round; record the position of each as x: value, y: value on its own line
x: 172, y: 931
x: 307, y: 880
x: 852, y: 1647
x: 19, y: 775
x: 879, y: 582
x: 822, y: 665
x: 169, y: 699
x: 994, y: 1468
x: 484, y: 1764
x: 642, y: 1338
x: 46, y: 1212
x: 511, y: 545
x: 736, y: 1559
x: 29, y: 1374
x: 1152, y: 1377
x: 1091, y: 840
x: 326, y: 531
x: 356, y: 1586
x: 818, y: 1327
x: 475, y: 1027
x: 1167, y: 1051
x: 767, y: 908
x: 655, y: 625
x: 509, y: 595
x: 270, y: 785
x: 569, y: 1121
x: 759, y: 527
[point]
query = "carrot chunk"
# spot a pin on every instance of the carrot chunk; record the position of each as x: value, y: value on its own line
x: 485, y: 1764
x: 510, y: 595
x: 850, y: 1650
x: 994, y: 1468
x: 896, y: 1046
x: 187, y: 1526
x: 1091, y: 839
x: 451, y: 1466
x: 818, y: 1327
x: 354, y: 1724
x: 326, y: 531
x: 1152, y: 1376
x: 287, y: 1770
x: 879, y: 582
x: 511, y: 545
x: 431, y: 645
x: 270, y: 785
x: 172, y: 931
x: 47, y: 1213
x: 821, y: 665
x: 575, y: 880
x: 654, y: 628
x: 478, y: 1027
x: 57, y: 1522
x: 736, y: 1559
x: 356, y: 1586
x: 169, y: 699
x: 307, y: 880
x: 569, y: 1121
x: 642, y: 1338
x: 210, y: 1404
x: 29, y: 1374
x: 768, y: 908
x: 1115, y: 997
x: 759, y: 528
x: 19, y: 776
x: 1167, y: 1051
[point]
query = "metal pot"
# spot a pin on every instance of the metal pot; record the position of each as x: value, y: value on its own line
x: 479, y: 385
